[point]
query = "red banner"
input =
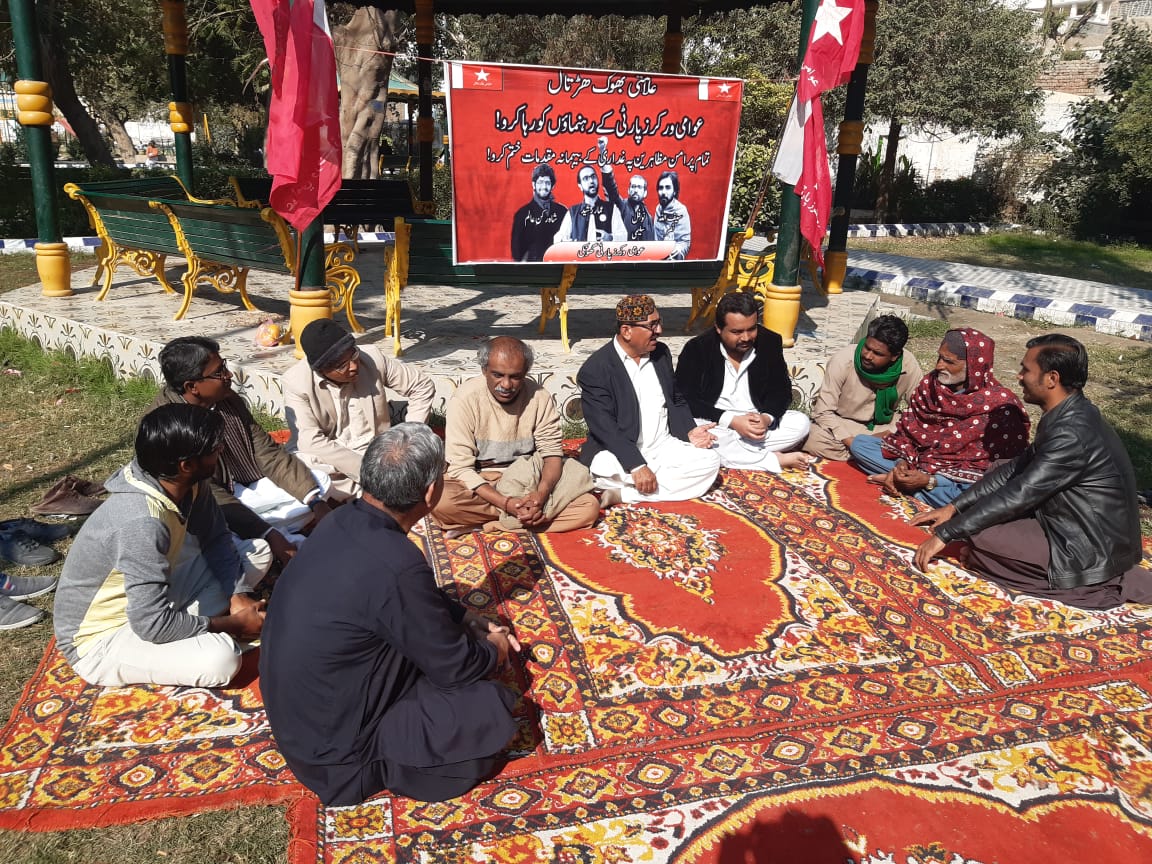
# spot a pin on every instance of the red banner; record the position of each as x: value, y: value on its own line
x: 587, y: 167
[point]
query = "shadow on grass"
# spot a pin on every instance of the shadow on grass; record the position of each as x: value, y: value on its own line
x: 76, y: 466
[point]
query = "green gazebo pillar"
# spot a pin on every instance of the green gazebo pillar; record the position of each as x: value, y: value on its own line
x: 34, y: 113
x: 782, y: 299
x: 175, y: 26
x: 850, y: 142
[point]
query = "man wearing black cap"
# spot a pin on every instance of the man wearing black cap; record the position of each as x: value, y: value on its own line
x: 335, y: 401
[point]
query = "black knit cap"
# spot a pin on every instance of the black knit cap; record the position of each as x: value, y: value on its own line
x: 324, y: 343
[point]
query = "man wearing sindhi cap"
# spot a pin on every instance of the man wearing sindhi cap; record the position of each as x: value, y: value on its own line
x: 643, y: 443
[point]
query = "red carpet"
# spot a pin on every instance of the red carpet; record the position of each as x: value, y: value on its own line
x: 763, y: 677
x: 77, y: 756
x: 759, y: 677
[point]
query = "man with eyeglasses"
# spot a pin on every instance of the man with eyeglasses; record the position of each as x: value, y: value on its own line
x: 336, y: 402
x: 268, y: 495
x: 643, y: 443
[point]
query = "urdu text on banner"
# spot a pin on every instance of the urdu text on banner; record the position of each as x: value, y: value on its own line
x: 589, y: 166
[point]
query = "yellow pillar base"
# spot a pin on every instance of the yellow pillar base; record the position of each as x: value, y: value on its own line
x: 54, y: 268
x: 307, y: 306
x: 835, y: 268
x: 782, y: 311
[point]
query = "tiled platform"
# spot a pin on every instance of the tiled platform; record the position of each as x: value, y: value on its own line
x: 1112, y: 309
x: 441, y: 328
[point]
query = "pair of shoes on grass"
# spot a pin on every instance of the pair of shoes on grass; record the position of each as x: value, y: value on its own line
x: 13, y: 589
x: 24, y: 541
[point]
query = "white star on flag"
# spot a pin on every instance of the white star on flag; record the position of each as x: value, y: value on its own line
x: 481, y: 76
x: 724, y: 88
x: 828, y: 19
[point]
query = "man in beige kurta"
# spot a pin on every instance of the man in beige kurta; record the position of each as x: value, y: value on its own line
x: 503, y: 446
x: 335, y: 401
x: 846, y: 404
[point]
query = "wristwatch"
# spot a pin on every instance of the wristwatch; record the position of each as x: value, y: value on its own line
x: 931, y: 482
x: 315, y: 502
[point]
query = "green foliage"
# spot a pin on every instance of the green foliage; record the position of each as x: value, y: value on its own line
x: 1099, y: 184
x: 18, y: 210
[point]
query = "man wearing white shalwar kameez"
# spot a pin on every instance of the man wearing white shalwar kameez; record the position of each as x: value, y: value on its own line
x: 642, y: 438
x: 735, y: 376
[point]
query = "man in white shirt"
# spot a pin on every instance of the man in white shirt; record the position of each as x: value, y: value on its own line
x: 735, y: 376
x: 643, y: 444
x: 335, y: 402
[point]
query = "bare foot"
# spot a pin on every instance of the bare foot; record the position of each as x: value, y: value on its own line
x: 455, y: 533
x: 797, y: 460
x: 610, y: 498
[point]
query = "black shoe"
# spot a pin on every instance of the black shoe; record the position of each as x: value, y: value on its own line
x: 19, y: 548
x: 42, y: 532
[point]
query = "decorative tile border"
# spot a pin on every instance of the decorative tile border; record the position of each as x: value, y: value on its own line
x: 89, y: 244
x: 1117, y: 322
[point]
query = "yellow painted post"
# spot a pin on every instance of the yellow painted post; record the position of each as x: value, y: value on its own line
x: 34, y: 111
x: 307, y: 305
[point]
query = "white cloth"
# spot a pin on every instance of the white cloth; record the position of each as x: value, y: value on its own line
x: 256, y: 556
x: 683, y: 471
x: 735, y: 397
x: 277, y: 507
x: 738, y: 452
x: 122, y: 658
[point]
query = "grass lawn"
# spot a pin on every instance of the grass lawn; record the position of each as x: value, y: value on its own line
x: 1129, y: 265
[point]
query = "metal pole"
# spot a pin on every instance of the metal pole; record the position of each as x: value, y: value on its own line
x: 782, y: 302
x: 34, y: 113
x: 851, y: 140
x: 175, y: 26
x: 425, y: 127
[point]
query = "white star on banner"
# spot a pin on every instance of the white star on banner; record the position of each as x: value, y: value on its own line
x: 725, y: 87
x: 828, y: 18
x: 481, y: 76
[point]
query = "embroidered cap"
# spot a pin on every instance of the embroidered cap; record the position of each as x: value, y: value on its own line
x: 634, y: 309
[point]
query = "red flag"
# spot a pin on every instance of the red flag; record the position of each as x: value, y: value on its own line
x: 304, y: 154
x: 833, y: 49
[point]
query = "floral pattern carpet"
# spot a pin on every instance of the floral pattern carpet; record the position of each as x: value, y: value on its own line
x: 758, y: 676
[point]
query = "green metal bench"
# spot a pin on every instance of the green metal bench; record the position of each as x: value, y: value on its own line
x: 422, y: 255
x: 357, y: 202
x: 222, y: 243
x: 130, y: 231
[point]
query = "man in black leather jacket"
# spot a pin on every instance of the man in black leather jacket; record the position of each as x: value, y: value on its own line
x: 1062, y: 519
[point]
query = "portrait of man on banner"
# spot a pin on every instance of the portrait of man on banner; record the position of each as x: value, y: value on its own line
x: 620, y: 166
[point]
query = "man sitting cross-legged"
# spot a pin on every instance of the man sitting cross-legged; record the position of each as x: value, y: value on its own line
x: 735, y: 376
x: 960, y: 420
x: 266, y: 493
x: 862, y: 388
x: 335, y: 401
x: 373, y: 678
x: 1061, y: 520
x: 505, y: 459
x: 151, y: 591
x: 643, y: 444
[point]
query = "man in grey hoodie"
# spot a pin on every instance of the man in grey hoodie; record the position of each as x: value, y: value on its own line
x: 148, y: 591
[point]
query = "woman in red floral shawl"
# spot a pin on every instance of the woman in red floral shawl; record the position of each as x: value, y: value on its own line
x: 959, y: 421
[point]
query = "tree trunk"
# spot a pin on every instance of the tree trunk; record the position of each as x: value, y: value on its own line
x: 364, y: 49
x: 59, y: 78
x: 888, y: 173
x: 121, y: 140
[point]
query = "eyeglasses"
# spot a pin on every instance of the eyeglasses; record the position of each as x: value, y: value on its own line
x: 650, y: 326
x: 220, y: 374
x: 344, y: 366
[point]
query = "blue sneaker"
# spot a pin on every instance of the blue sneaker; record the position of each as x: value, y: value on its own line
x: 19, y: 548
x: 42, y: 532
x: 14, y: 615
x: 25, y: 587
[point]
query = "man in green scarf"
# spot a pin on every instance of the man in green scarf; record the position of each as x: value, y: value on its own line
x: 863, y: 385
